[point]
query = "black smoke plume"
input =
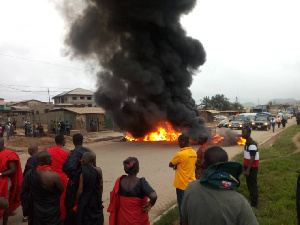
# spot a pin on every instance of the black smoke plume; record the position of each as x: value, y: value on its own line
x: 147, y: 61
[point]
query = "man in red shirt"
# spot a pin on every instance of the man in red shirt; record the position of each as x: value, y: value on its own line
x: 200, y: 168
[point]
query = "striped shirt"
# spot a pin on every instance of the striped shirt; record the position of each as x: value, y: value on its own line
x: 251, y: 149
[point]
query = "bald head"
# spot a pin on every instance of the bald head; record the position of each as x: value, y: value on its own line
x: 88, y: 158
x: 44, y: 158
x: 1, y: 144
x: 33, y: 149
x: 215, y: 154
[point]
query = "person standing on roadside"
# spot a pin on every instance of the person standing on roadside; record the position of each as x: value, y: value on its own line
x: 251, y: 162
x: 200, y: 168
x: 71, y: 166
x: 10, y: 180
x: 7, y: 128
x: 184, y: 165
x: 273, y: 123
x: 283, y: 121
x: 213, y: 199
x: 278, y: 121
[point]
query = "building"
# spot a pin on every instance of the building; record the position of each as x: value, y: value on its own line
x: 79, y: 118
x: 78, y: 97
x: 35, y: 107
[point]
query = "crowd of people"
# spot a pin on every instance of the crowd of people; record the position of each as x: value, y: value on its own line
x: 59, y: 186
x: 60, y: 127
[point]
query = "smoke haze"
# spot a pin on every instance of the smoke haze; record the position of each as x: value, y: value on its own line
x: 147, y: 61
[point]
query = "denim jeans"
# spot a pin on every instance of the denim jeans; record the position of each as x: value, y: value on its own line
x: 179, y: 194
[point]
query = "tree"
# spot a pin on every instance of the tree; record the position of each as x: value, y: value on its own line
x: 236, y: 106
x: 220, y: 102
x: 205, y: 103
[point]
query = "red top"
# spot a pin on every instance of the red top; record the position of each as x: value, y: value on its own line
x: 200, y: 161
x: 16, y: 180
x: 59, y: 156
x: 126, y: 210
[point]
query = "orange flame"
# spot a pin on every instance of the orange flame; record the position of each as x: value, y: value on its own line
x: 240, y: 141
x: 165, y: 132
x: 216, y: 138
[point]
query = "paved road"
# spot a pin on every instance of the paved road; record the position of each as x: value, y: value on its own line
x: 154, y: 159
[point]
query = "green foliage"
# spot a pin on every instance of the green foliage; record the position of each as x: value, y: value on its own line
x: 169, y: 217
x: 219, y: 102
x: 277, y: 180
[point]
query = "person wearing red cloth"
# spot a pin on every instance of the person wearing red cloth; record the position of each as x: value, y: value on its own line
x: 59, y: 155
x: 41, y: 191
x: 129, y: 198
x: 200, y: 168
x: 10, y: 180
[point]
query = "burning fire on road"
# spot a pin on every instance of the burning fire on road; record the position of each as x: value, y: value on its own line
x: 165, y: 132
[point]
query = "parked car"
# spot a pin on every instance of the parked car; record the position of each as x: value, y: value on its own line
x: 224, y: 123
x: 220, y: 117
x: 287, y: 115
x: 240, y: 122
x: 261, y: 121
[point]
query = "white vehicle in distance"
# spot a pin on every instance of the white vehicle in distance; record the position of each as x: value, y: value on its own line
x: 287, y: 114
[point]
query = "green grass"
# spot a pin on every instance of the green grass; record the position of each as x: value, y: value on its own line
x: 169, y: 217
x: 277, y: 181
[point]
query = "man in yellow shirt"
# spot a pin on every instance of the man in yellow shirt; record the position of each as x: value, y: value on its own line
x: 184, y: 165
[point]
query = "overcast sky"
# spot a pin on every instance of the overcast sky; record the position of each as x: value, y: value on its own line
x: 253, y: 50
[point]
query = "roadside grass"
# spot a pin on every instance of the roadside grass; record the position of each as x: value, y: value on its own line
x: 277, y: 182
x: 169, y: 218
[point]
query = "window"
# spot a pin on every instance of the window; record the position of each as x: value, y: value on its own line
x: 74, y: 98
x: 37, y: 112
x: 90, y: 105
x: 89, y: 98
x: 81, y: 97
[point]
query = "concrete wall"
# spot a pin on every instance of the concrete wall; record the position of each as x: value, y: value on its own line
x: 80, y: 99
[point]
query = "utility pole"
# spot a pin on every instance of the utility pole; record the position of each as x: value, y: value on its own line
x: 48, y: 95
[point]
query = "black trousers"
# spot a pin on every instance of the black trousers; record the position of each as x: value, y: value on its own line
x: 252, y: 185
x: 298, y: 199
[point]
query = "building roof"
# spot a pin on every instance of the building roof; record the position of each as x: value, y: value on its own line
x: 20, y: 108
x: 82, y: 110
x: 77, y: 91
x: 24, y: 101
x: 211, y: 111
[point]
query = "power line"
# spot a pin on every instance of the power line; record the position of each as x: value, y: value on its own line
x: 13, y: 85
x: 39, y: 61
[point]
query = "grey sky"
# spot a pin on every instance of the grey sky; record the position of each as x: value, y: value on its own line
x: 253, y: 50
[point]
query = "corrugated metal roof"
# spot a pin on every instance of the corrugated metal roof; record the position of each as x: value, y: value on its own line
x: 20, y: 108
x: 86, y: 110
x: 77, y: 91
x: 212, y: 111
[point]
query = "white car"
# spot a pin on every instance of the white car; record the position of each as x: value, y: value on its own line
x: 287, y: 114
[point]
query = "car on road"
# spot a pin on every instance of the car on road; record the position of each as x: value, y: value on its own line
x: 240, y: 122
x: 220, y: 117
x: 261, y: 121
x: 287, y: 115
x: 224, y: 123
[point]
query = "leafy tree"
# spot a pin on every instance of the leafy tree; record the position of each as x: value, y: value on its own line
x: 236, y: 106
x: 205, y: 103
x: 220, y: 102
